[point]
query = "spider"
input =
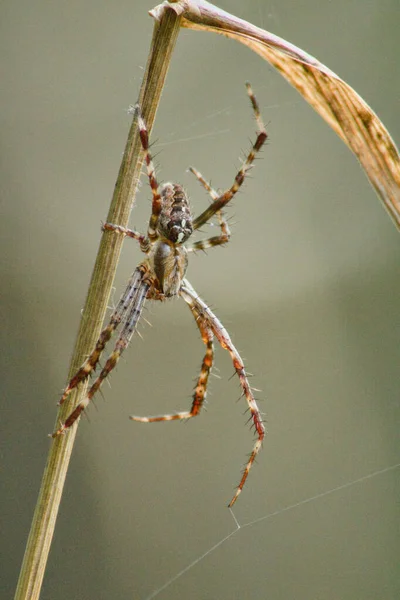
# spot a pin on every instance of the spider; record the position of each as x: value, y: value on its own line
x: 162, y: 275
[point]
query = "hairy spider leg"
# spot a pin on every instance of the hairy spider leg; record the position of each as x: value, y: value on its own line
x: 142, y: 239
x: 207, y: 317
x: 213, y: 193
x: 157, y: 201
x: 224, y: 198
x: 137, y: 297
x: 117, y: 316
x: 200, y: 391
x: 225, y: 234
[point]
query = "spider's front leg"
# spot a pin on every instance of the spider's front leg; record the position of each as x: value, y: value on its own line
x: 128, y: 311
x: 200, y: 391
x: 206, y: 318
x: 117, y: 316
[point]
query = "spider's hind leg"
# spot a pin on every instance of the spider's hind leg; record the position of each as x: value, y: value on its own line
x: 225, y: 234
x: 151, y: 174
x: 227, y: 196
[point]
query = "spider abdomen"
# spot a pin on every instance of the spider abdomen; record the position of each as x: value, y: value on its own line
x: 175, y: 221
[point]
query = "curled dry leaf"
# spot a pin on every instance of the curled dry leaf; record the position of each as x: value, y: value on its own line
x: 341, y: 107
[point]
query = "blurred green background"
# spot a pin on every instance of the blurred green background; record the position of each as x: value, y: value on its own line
x: 309, y: 289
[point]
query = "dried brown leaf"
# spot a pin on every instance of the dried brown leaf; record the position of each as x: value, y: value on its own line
x: 341, y: 107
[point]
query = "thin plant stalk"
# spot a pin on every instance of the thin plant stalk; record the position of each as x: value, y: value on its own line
x: 343, y: 109
x: 36, y: 553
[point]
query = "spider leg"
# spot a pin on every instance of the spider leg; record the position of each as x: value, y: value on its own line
x: 207, y: 317
x: 157, y: 202
x: 216, y: 240
x: 131, y: 305
x: 224, y: 198
x: 200, y: 391
x: 214, y: 194
x: 117, y: 316
x: 142, y: 239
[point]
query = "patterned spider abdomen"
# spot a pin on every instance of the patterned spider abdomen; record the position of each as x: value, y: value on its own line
x: 175, y: 221
x: 168, y: 257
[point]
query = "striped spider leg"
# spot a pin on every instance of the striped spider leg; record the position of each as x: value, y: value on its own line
x: 206, y: 318
x: 161, y: 275
x: 127, y: 313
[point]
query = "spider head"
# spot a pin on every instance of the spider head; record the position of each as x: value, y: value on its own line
x: 169, y: 264
x: 175, y: 221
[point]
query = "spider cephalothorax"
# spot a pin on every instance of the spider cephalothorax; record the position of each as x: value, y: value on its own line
x: 161, y: 275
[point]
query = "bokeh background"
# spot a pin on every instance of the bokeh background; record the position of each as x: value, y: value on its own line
x: 309, y: 288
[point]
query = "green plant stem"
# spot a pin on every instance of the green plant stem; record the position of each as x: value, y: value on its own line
x: 44, y: 520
